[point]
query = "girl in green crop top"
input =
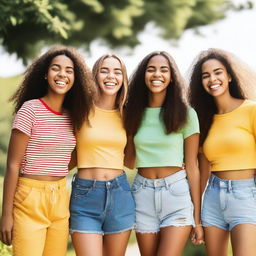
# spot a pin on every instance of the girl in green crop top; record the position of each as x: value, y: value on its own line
x: 228, y: 134
x: 159, y: 125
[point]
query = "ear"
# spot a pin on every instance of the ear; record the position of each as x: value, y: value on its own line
x: 229, y: 78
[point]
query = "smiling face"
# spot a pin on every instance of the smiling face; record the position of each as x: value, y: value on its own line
x: 60, y: 75
x: 110, y: 76
x: 215, y: 78
x: 158, y: 75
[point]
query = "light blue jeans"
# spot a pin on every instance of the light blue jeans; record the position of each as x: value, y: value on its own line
x: 228, y: 203
x: 162, y: 202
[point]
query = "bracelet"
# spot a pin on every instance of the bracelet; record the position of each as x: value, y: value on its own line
x: 198, y: 225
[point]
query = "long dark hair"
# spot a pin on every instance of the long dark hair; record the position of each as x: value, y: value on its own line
x: 173, y: 111
x: 199, y: 99
x: 78, y: 100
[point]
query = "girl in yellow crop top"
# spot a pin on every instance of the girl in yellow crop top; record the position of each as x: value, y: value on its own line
x: 228, y: 157
x: 102, y: 208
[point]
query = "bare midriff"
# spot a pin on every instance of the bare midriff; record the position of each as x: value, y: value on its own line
x: 235, y: 174
x: 98, y: 173
x: 158, y: 172
x: 42, y: 177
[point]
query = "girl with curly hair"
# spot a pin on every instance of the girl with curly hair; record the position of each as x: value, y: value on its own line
x: 220, y: 86
x: 52, y: 102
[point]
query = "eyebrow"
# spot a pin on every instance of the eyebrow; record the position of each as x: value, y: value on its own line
x: 216, y: 69
x: 58, y: 65
x: 155, y: 67
x: 108, y: 68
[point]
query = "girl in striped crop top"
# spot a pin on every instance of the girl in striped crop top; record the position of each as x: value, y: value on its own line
x: 53, y: 100
x: 219, y: 92
x: 164, y: 133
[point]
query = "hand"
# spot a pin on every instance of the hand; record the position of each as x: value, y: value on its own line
x: 6, y: 226
x: 197, y: 235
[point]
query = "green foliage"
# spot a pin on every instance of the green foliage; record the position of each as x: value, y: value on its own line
x: 28, y: 25
x: 7, y: 87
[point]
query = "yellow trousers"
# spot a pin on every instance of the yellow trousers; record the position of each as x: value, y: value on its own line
x: 41, y: 214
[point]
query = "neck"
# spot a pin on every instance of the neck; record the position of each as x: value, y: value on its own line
x: 227, y: 103
x: 106, y: 102
x: 54, y: 101
x: 156, y: 100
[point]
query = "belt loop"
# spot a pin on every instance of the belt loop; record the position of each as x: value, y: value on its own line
x: 166, y: 184
x: 73, y: 178
x: 144, y: 183
x: 229, y: 185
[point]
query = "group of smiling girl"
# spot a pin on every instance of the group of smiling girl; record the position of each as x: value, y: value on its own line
x: 185, y: 149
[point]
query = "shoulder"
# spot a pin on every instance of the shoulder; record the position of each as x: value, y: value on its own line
x: 191, y: 113
x: 31, y: 104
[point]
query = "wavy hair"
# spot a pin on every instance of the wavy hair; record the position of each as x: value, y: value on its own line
x: 243, y: 80
x: 122, y: 93
x: 78, y: 100
x: 174, y: 109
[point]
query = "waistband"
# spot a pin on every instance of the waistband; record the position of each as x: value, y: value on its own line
x: 100, y: 183
x: 42, y: 183
x: 180, y: 175
x: 222, y: 183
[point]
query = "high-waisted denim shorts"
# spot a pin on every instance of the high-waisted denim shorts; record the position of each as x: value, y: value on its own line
x: 228, y: 203
x: 162, y: 202
x: 101, y: 207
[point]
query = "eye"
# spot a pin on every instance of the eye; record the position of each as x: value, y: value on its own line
x: 118, y: 73
x: 165, y: 70
x: 70, y: 71
x: 55, y: 68
x: 150, y: 70
x: 205, y: 76
x: 218, y: 73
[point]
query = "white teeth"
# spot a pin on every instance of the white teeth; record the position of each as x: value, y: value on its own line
x: 110, y: 84
x: 157, y: 82
x: 214, y: 86
x: 60, y: 83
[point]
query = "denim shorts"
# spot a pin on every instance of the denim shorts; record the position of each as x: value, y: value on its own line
x: 228, y: 203
x: 162, y: 202
x: 101, y: 207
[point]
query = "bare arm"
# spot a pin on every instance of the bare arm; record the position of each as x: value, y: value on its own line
x: 73, y: 160
x: 17, y: 147
x: 193, y: 175
x: 129, y: 158
x: 204, y: 167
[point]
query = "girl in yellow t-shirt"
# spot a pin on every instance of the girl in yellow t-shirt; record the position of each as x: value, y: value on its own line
x: 228, y: 156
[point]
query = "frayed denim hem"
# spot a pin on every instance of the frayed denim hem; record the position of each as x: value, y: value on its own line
x: 177, y: 225
x: 147, y: 231
x: 120, y: 231
x: 71, y: 232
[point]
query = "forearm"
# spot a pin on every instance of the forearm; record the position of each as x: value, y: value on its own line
x: 194, y: 184
x: 9, y: 189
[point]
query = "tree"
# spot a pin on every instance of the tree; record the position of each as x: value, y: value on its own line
x: 28, y: 25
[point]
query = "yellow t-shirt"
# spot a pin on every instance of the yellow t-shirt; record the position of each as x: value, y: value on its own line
x: 230, y: 143
x: 102, y: 143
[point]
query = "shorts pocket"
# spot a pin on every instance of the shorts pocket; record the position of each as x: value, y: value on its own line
x: 243, y: 193
x: 22, y: 194
x: 81, y: 191
x: 179, y: 188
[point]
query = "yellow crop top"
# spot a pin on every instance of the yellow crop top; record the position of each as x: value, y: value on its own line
x: 102, y: 143
x: 230, y: 143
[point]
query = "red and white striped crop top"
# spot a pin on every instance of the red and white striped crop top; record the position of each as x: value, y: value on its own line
x: 51, y: 139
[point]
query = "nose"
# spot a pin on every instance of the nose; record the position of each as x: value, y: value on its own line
x: 212, y: 77
x: 111, y: 75
x: 62, y: 73
x: 157, y: 73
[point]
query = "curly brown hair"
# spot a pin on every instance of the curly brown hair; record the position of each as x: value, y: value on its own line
x: 203, y: 102
x: 122, y: 93
x: 78, y: 100
x: 174, y: 109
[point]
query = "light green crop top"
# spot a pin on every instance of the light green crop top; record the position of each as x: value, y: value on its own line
x: 155, y: 148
